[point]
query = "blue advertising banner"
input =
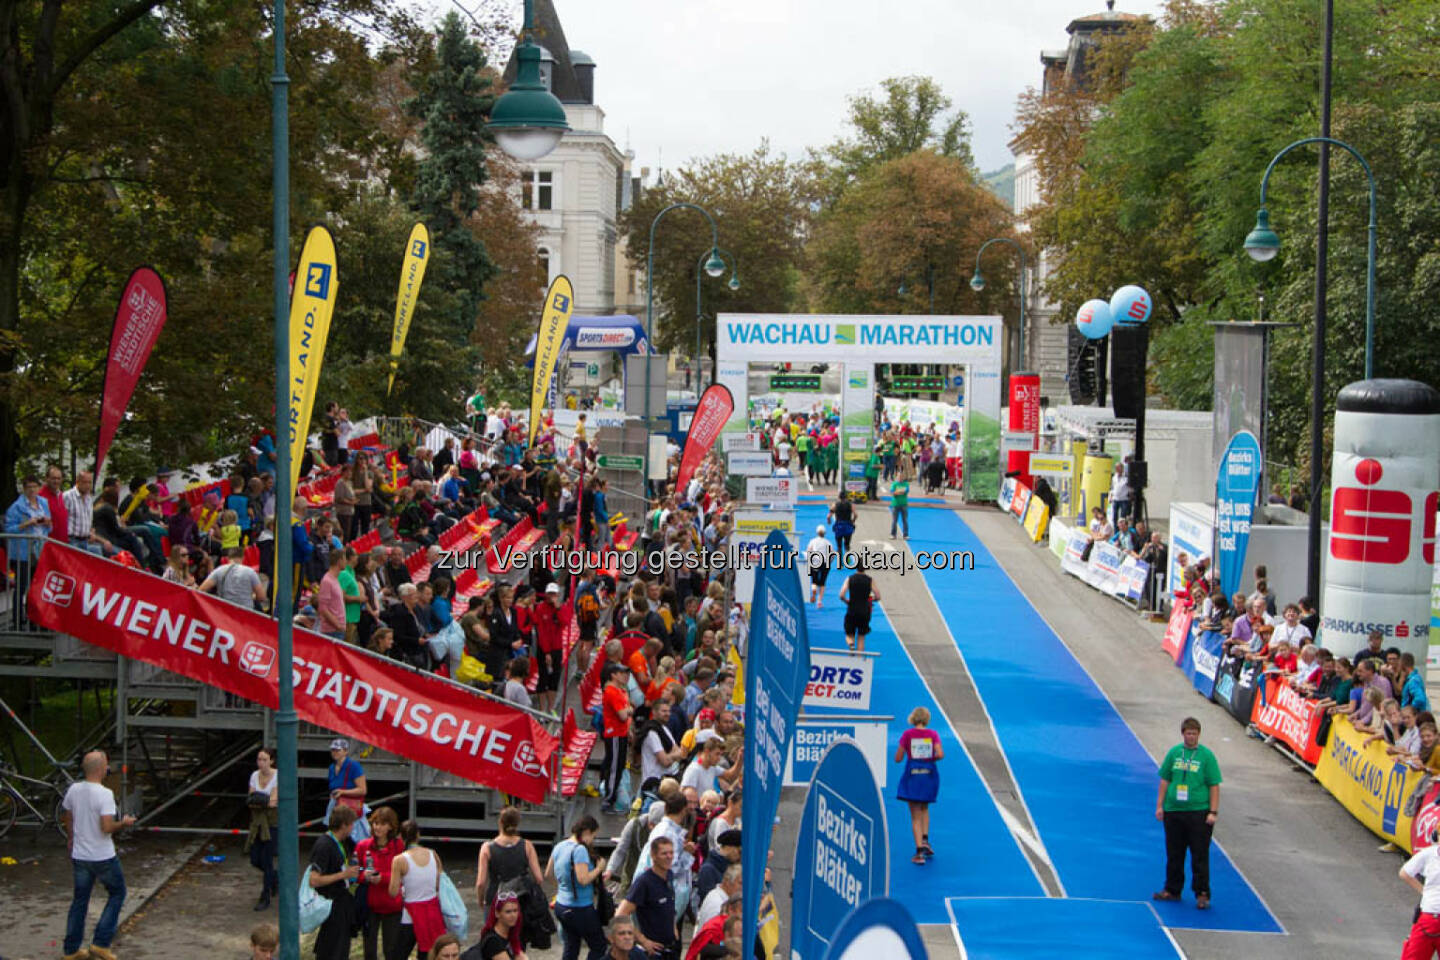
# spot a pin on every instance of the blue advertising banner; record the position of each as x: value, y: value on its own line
x: 842, y: 854
x: 878, y: 928
x: 1237, y: 482
x: 777, y: 664
x: 1202, y: 659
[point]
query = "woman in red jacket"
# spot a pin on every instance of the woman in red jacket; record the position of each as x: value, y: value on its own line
x: 375, y: 855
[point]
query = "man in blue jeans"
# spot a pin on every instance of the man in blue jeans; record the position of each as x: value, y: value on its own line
x: 900, y: 506
x: 90, y: 820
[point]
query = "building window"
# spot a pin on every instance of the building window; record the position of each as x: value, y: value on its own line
x: 538, y: 190
x: 630, y: 277
x: 544, y: 253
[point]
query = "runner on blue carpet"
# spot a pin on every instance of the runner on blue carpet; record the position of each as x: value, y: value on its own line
x: 919, y: 749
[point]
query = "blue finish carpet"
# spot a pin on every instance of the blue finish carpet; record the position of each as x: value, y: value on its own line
x: 975, y: 852
x: 1087, y: 780
x: 1043, y: 929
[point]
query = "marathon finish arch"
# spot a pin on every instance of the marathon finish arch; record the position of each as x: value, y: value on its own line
x: 1384, y: 475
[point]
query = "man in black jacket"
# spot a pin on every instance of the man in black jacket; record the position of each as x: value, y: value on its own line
x: 404, y: 619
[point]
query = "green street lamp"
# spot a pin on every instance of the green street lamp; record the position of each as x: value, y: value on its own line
x: 977, y: 283
x: 287, y: 721
x: 733, y: 284
x: 528, y: 120
x: 1263, y: 243
x: 714, y: 267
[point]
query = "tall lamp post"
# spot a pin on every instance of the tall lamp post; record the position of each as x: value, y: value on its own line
x: 528, y: 122
x: 1262, y: 244
x: 733, y: 284
x: 977, y: 283
x: 287, y: 722
x: 714, y: 266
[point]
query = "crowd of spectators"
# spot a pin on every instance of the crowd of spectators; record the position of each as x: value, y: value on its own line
x: 1380, y: 689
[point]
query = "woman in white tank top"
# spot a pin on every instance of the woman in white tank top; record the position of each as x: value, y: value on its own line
x: 415, y: 878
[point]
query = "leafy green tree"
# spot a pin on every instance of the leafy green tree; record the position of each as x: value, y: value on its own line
x: 453, y: 98
x: 919, y: 219
x: 152, y: 159
x: 911, y: 113
x: 758, y: 200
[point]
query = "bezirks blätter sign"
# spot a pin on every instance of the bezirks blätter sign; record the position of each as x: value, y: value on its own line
x: 337, y: 686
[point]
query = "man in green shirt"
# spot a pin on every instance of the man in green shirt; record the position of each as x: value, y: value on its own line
x: 1187, y: 803
x: 872, y: 477
x: 803, y: 444
x: 900, y: 505
x: 354, y: 597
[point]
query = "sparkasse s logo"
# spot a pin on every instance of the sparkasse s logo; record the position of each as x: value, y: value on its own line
x: 58, y: 589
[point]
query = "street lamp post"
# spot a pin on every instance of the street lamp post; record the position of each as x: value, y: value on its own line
x: 1262, y: 244
x: 528, y: 120
x: 714, y: 267
x: 287, y: 723
x: 733, y: 284
x: 977, y: 283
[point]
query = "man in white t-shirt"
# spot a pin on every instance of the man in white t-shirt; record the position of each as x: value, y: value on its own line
x: 719, y: 895
x: 90, y: 819
x: 704, y: 771
x: 660, y: 753
x: 1426, y: 929
x: 820, y: 556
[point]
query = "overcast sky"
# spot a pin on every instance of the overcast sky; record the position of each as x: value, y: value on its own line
x: 681, y: 78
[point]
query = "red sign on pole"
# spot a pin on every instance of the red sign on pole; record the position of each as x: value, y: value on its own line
x: 340, y: 687
x: 711, y: 414
x: 1177, y: 631
x: 139, y: 318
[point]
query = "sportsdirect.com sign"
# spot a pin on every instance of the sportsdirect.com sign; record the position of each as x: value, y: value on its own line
x: 839, y: 680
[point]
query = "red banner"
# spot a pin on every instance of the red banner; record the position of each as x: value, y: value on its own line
x: 711, y: 414
x: 1177, y: 631
x: 338, y: 686
x: 1289, y: 718
x: 1427, y: 819
x: 139, y: 317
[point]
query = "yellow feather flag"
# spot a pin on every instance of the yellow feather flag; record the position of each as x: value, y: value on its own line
x: 559, y: 301
x: 412, y: 274
x: 312, y: 303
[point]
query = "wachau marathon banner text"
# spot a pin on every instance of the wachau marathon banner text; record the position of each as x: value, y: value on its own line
x: 337, y: 686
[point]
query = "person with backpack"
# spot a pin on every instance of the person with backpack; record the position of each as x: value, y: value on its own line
x: 576, y: 872
x: 505, y: 860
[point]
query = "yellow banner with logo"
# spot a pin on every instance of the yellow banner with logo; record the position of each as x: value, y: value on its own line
x: 1367, y: 782
x: 412, y: 274
x: 1037, y: 518
x: 559, y: 301
x: 312, y: 303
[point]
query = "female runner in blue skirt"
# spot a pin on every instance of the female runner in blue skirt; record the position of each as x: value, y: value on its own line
x: 920, y: 783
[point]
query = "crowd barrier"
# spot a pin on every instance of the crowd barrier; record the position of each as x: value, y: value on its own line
x: 1103, y: 566
x: 1375, y: 787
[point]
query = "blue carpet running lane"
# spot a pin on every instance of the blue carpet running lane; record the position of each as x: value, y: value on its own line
x: 975, y: 854
x: 1088, y: 782
x: 1008, y: 929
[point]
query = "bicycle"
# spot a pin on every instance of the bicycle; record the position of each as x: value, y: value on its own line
x: 30, y: 801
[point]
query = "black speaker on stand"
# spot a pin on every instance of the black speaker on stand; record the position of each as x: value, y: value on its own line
x: 1129, y: 346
